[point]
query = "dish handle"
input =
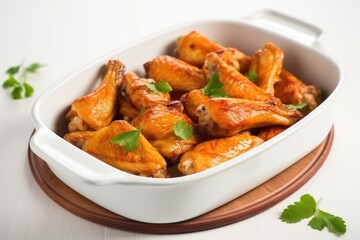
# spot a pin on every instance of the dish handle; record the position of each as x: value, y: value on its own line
x: 284, y: 24
x: 42, y: 144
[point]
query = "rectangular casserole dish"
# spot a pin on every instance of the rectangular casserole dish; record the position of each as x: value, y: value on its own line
x: 176, y: 199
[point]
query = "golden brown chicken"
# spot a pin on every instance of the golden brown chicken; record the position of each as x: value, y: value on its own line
x: 267, y: 63
x: 180, y: 75
x: 136, y: 96
x: 214, y: 152
x: 291, y: 90
x: 97, y: 109
x: 235, y: 84
x: 157, y: 125
x: 127, y: 110
x: 193, y: 48
x: 144, y: 160
x: 222, y: 117
x: 267, y: 133
x: 191, y: 101
x: 236, y: 59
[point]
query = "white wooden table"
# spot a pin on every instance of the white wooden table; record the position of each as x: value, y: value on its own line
x: 66, y: 35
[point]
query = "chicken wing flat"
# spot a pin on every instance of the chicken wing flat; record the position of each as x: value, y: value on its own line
x: 134, y: 87
x: 214, y: 152
x: 223, y: 117
x: 267, y: 63
x: 127, y: 110
x: 144, y: 160
x: 291, y: 90
x: 157, y: 125
x: 235, y: 84
x: 191, y: 101
x: 193, y: 48
x: 97, y: 109
x: 180, y: 75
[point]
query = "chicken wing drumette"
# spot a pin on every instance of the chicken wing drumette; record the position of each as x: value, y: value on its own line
x: 97, y: 109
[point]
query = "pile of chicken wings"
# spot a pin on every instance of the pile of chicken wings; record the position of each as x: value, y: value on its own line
x: 231, y: 101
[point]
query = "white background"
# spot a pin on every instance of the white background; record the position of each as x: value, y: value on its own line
x: 68, y: 34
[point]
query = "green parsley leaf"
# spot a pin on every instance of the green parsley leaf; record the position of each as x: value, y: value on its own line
x: 10, y: 82
x: 18, y: 80
x: 129, y: 140
x: 306, y: 208
x: 13, y: 70
x: 32, y: 68
x: 183, y: 130
x: 299, y: 210
x: 252, y: 75
x: 17, y: 93
x: 295, y: 106
x: 29, y: 90
x: 159, y: 87
x: 334, y: 224
x: 214, y: 87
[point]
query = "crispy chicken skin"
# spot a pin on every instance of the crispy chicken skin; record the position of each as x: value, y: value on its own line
x: 236, y: 85
x: 140, y: 95
x: 214, y: 152
x: 180, y: 75
x: 144, y: 160
x: 267, y: 63
x: 191, y: 101
x: 127, y: 110
x: 193, y: 48
x: 97, y: 109
x: 222, y: 117
x: 267, y: 133
x: 79, y: 138
x: 236, y: 59
x: 291, y: 90
x: 156, y: 125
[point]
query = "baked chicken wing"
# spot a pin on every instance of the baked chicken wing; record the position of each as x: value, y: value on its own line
x: 136, y: 96
x: 97, y: 109
x: 180, y: 75
x: 235, y: 84
x: 193, y: 48
x: 291, y: 90
x: 157, y: 125
x: 236, y: 59
x: 267, y: 63
x: 144, y: 160
x: 214, y: 152
x: 191, y: 101
x: 222, y: 117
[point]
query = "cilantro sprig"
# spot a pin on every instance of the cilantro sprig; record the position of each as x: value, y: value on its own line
x: 129, y: 140
x: 17, y: 80
x: 295, y: 106
x: 183, y: 130
x: 307, y: 207
x: 252, y: 75
x: 159, y: 87
x: 214, y: 87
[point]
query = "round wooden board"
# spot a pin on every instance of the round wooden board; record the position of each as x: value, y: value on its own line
x: 247, y: 205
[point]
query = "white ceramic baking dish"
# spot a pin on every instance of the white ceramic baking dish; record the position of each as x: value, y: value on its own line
x: 176, y: 199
